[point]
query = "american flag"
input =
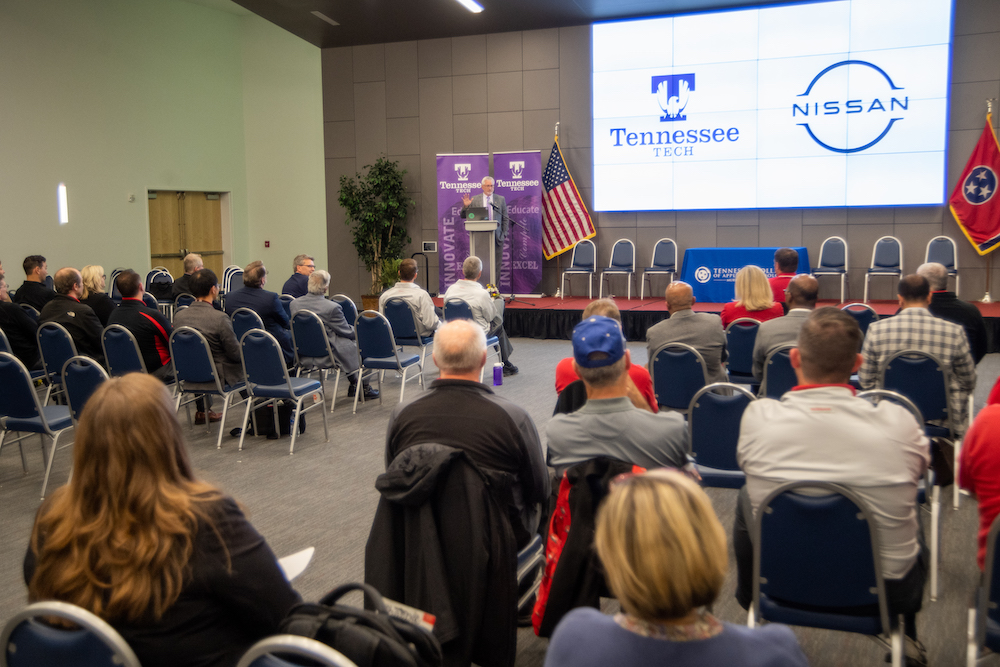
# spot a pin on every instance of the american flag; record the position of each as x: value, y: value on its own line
x: 565, y: 219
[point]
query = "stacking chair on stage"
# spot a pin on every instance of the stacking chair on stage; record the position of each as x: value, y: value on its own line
x: 348, y: 306
x: 863, y: 313
x: 941, y: 249
x: 289, y: 651
x: 741, y: 334
x: 244, y: 320
x: 678, y: 372
x: 663, y: 262
x: 379, y: 352
x: 714, y: 425
x: 404, y: 326
x: 309, y: 340
x: 121, y: 351
x: 887, y: 260
x: 82, y: 376
x: 268, y: 382
x: 30, y: 311
x: 196, y: 374
x: 833, y: 262
x: 984, y: 617
x: 622, y: 263
x: 456, y: 309
x: 584, y: 262
x: 779, y: 376
x: 30, y: 640
x: 931, y: 502
x: 24, y: 414
x: 56, y: 347
x: 814, y: 555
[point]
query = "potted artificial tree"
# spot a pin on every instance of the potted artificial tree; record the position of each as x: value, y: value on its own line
x: 376, y: 205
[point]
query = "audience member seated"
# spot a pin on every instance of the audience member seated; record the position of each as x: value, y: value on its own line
x: 428, y: 318
x: 134, y: 537
x: 665, y: 560
x: 914, y: 328
x: 803, y: 291
x: 33, y: 290
x: 786, y: 262
x: 753, y: 298
x: 302, y: 267
x: 77, y: 318
x: 93, y: 294
x: 640, y: 390
x: 192, y: 262
x: 340, y: 333
x: 21, y: 330
x: 820, y: 431
x: 609, y: 424
x: 459, y: 411
x: 266, y: 304
x: 979, y: 468
x: 702, y: 331
x: 486, y: 311
x: 151, y: 329
x: 948, y: 306
x: 217, y: 330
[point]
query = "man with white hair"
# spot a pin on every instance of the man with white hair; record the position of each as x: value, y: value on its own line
x: 496, y: 209
x: 487, y: 312
x: 460, y: 412
x: 340, y: 333
x: 948, y: 306
x: 192, y: 262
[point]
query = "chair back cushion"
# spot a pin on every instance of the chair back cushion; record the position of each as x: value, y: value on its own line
x: 715, y: 428
x: 400, y: 317
x: 740, y: 337
x: 622, y: 255
x: 942, y: 251
x: 921, y: 379
x: 244, y: 320
x: 309, y: 335
x: 82, y: 376
x: 16, y: 390
x: 350, y: 310
x: 121, y: 351
x: 833, y: 254
x: 262, y: 358
x: 678, y: 374
x: 375, y: 336
x: 665, y: 255
x: 779, y: 376
x: 456, y: 309
x: 886, y: 254
x: 56, y: 346
x: 192, y: 356
x: 583, y: 255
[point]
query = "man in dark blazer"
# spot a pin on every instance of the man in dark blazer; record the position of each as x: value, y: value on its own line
x: 79, y: 319
x: 266, y: 304
x: 496, y: 205
x: 948, y: 306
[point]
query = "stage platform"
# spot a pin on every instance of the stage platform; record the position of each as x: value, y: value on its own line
x: 552, y: 317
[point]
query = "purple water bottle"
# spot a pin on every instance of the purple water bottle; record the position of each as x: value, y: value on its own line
x: 497, y: 374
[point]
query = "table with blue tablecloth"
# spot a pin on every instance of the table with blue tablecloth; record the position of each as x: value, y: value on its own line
x: 711, y: 272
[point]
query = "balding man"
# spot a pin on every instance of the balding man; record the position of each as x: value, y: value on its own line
x: 192, y: 263
x: 801, y: 295
x: 461, y: 412
x: 948, y: 306
x: 487, y: 312
x: 79, y: 319
x: 702, y: 331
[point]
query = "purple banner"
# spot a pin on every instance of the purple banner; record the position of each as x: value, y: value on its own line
x: 456, y: 175
x: 518, y: 179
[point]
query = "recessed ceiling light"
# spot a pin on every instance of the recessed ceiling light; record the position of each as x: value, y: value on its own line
x: 321, y: 15
x: 471, y: 5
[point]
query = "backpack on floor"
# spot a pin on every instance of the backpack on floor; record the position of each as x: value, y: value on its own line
x: 368, y: 638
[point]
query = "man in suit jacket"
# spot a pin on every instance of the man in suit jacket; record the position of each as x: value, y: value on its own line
x: 266, y: 304
x: 78, y: 318
x: 702, y: 331
x: 801, y: 295
x: 33, y: 291
x: 948, y: 306
x: 496, y: 206
x: 341, y: 334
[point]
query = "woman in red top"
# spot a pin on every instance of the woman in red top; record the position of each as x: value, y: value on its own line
x: 753, y: 298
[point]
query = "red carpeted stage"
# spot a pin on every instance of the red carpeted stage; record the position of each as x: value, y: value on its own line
x: 552, y: 317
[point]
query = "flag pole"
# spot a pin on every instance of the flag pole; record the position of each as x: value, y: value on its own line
x: 989, y: 257
x: 558, y: 293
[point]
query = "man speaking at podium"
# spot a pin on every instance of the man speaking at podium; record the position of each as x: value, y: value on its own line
x: 496, y: 207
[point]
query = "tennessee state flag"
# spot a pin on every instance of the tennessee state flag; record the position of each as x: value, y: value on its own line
x: 974, y: 202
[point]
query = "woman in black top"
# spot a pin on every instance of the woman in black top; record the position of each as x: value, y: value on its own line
x: 94, y: 282
x: 169, y: 561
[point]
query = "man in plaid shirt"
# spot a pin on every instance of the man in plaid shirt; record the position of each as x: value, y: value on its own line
x: 914, y: 328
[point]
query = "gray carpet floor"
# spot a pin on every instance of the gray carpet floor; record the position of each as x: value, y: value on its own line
x: 324, y: 496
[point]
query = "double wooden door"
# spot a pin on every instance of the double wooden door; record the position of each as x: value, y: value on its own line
x: 182, y: 223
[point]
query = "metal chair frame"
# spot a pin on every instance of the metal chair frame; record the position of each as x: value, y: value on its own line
x: 53, y: 365
x: 399, y: 365
x: 581, y: 269
x: 241, y: 316
x: 262, y: 654
x: 655, y: 361
x: 882, y: 269
x: 408, y: 341
x: 783, y: 349
x: 300, y: 368
x: 72, y: 396
x: 732, y: 477
x: 659, y: 268
x: 617, y: 267
x: 350, y: 311
x: 139, y: 367
x: 824, y: 269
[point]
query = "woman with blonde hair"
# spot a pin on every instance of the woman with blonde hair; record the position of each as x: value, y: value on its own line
x: 664, y: 556
x: 168, y: 560
x: 94, y: 283
x: 754, y: 298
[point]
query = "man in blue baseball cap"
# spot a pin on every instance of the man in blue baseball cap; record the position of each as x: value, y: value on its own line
x: 609, y: 424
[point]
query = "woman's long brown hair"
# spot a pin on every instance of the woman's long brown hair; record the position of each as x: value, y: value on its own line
x: 118, y: 538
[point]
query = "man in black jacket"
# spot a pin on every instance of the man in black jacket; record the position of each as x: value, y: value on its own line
x: 78, y: 318
x: 19, y: 329
x: 948, y: 306
x: 151, y: 329
x: 33, y: 291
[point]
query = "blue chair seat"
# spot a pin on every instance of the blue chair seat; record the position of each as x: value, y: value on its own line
x: 886, y: 270
x: 415, y: 342
x: 57, y: 416
x: 492, y: 340
x: 933, y: 431
x: 300, y: 387
x: 389, y: 363
x: 721, y: 479
x: 617, y: 269
x: 782, y: 613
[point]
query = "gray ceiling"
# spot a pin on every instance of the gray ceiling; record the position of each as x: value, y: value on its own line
x: 377, y: 21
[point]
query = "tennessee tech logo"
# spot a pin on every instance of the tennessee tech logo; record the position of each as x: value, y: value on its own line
x: 517, y: 169
x: 673, y: 92
x: 463, y: 171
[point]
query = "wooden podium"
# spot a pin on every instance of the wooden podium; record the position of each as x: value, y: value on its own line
x: 484, y: 231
